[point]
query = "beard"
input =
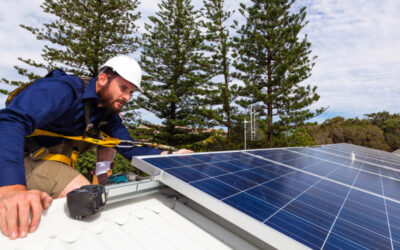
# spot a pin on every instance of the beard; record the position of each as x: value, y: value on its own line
x: 107, y: 101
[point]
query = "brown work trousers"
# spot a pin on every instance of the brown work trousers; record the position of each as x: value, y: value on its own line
x: 52, y: 176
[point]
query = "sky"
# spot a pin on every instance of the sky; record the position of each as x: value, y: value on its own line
x: 357, y: 44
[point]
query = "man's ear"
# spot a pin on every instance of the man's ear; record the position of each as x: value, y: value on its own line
x: 102, y: 80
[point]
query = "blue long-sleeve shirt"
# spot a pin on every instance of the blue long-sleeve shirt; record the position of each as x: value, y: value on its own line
x: 53, y: 103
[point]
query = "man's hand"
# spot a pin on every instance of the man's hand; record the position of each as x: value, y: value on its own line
x: 180, y: 151
x: 16, y: 204
x: 183, y: 151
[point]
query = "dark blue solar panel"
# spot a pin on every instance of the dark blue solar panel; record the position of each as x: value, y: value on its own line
x: 230, y: 156
x: 186, y: 160
x: 270, y: 196
x: 206, y: 158
x: 317, y: 196
x: 251, y: 205
x: 370, y: 182
x: 209, y: 170
x: 391, y: 188
x: 252, y: 176
x: 389, y: 173
x: 366, y: 211
x: 215, y: 188
x: 326, y: 196
x: 276, y: 155
x: 344, y: 175
x: 186, y: 174
x: 318, y: 154
x: 298, y: 228
x: 288, y: 185
x: 302, y: 162
x: 393, y: 210
x: 230, y: 167
x: 323, y: 168
x: 236, y: 163
x: 370, y: 168
x: 243, y: 164
x: 335, y: 242
x: 358, y: 235
x: 164, y: 163
x: 269, y: 172
x: 236, y: 181
x: 312, y: 214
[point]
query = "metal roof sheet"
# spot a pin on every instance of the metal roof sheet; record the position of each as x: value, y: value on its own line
x: 152, y: 221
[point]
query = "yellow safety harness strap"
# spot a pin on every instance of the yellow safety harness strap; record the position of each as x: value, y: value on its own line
x: 106, y: 140
x: 74, y: 157
x: 57, y: 157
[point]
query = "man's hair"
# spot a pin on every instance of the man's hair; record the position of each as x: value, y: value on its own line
x: 111, y: 74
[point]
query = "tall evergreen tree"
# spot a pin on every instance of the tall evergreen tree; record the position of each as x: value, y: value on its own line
x: 84, y: 35
x: 273, y: 61
x: 171, y: 60
x: 219, y: 96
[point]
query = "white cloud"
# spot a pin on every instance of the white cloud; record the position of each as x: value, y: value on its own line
x: 14, y: 41
x: 358, y: 48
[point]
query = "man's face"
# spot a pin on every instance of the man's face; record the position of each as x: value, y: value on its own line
x: 115, y: 94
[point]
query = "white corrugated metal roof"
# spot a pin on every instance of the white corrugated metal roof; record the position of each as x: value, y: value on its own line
x: 153, y: 221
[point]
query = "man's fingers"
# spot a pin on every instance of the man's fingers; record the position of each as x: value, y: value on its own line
x: 183, y: 151
x: 23, y: 217
x: 3, y: 222
x: 11, y: 218
x: 46, y: 200
x: 37, y: 209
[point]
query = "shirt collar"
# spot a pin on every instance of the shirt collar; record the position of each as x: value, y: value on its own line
x: 90, y: 90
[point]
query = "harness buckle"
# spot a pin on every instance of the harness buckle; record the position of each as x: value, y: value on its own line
x: 39, y: 153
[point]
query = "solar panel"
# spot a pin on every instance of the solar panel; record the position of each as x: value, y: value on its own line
x: 312, y: 196
x: 365, y: 154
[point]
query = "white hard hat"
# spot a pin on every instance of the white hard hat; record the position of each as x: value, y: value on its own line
x: 127, y: 68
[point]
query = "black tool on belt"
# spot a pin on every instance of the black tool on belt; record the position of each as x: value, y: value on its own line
x: 86, y: 200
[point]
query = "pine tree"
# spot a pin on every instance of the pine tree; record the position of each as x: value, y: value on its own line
x: 171, y: 61
x: 84, y: 35
x: 273, y: 61
x: 219, y: 96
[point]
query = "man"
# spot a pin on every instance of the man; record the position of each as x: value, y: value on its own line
x: 55, y: 103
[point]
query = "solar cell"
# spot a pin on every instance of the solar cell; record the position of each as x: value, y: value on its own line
x: 319, y: 198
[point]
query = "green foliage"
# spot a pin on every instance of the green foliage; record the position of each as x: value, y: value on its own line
x: 172, y: 64
x: 122, y: 165
x: 361, y: 132
x: 87, y: 162
x: 215, y: 141
x: 379, y: 118
x: 301, y: 138
x: 272, y: 61
x: 217, y: 97
x: 84, y: 35
x: 367, y: 136
x: 391, y: 128
x: 297, y: 138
